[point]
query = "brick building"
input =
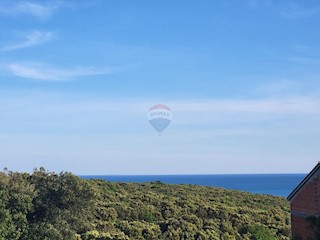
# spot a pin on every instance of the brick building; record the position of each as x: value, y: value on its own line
x: 304, y: 202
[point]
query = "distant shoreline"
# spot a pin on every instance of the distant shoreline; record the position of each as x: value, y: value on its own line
x: 272, y: 184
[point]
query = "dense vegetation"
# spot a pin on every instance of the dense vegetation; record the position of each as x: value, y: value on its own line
x: 51, y: 206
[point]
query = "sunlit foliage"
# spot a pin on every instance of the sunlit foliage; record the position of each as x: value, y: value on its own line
x: 46, y: 205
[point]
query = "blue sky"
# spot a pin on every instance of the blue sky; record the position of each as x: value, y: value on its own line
x: 241, y: 77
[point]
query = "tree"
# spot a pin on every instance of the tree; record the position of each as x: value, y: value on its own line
x: 260, y: 232
x: 61, y: 206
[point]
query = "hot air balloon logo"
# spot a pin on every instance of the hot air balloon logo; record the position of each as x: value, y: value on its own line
x: 160, y: 117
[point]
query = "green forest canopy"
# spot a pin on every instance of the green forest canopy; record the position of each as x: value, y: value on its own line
x: 45, y: 205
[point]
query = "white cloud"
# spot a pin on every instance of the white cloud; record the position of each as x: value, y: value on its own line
x: 31, y: 39
x: 42, y: 10
x: 46, y: 73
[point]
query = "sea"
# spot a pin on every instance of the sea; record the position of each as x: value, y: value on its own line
x: 271, y: 184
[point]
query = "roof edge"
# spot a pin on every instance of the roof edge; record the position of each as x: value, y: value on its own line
x: 304, y: 181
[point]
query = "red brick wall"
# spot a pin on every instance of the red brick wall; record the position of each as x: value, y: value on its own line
x: 306, y: 202
x: 300, y: 227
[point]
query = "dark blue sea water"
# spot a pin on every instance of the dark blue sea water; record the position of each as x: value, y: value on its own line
x: 273, y: 184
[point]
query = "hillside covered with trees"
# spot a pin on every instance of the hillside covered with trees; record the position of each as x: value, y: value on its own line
x: 45, y: 205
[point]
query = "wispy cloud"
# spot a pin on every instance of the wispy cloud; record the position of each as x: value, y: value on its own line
x: 280, y: 87
x: 280, y: 106
x: 42, y: 10
x: 31, y: 39
x: 305, y: 49
x: 296, y: 11
x: 304, y: 60
x: 259, y: 3
x: 287, y: 9
x: 59, y: 102
x: 47, y: 73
